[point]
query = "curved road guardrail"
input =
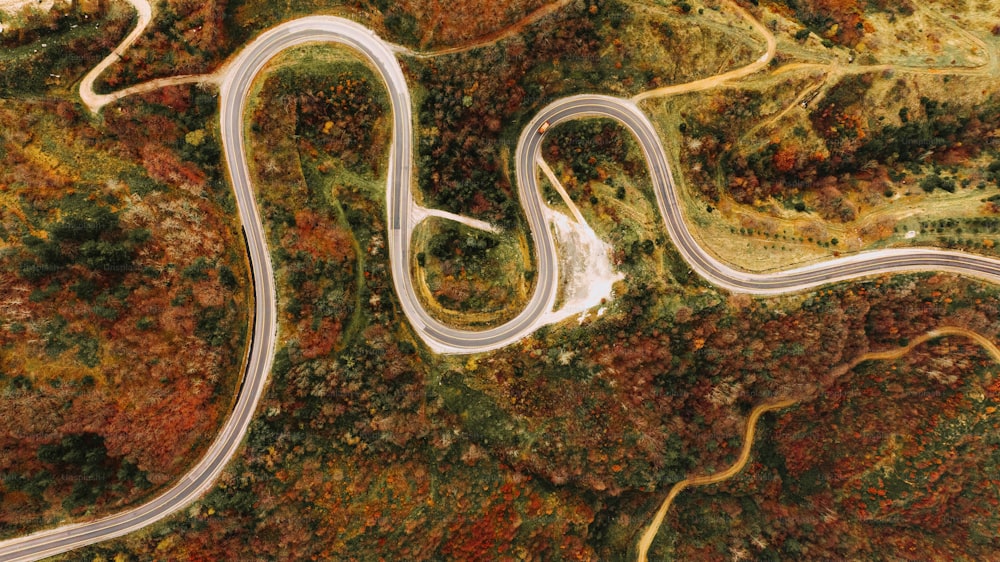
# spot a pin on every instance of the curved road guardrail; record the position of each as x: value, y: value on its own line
x: 399, y: 202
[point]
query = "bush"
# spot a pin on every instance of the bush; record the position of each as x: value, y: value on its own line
x: 932, y: 182
x: 85, y: 289
x: 87, y: 350
x: 227, y: 277
x: 210, y: 326
x: 140, y: 183
x: 403, y: 26
x: 993, y: 172
x: 85, y: 451
x: 197, y: 271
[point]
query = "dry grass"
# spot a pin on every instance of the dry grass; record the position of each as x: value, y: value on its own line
x: 15, y: 6
x: 934, y: 36
x: 444, y: 22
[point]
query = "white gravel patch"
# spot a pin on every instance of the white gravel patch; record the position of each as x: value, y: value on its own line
x: 584, y: 267
x: 584, y: 259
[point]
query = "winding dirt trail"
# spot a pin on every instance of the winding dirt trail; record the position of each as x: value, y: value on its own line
x: 491, y: 38
x: 719, y: 79
x: 95, y: 102
x: 647, y: 537
x: 755, y: 414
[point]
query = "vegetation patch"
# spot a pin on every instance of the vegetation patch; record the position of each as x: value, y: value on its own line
x: 479, y: 275
x: 473, y: 105
x: 51, y: 51
x: 884, y: 483
x: 124, y: 323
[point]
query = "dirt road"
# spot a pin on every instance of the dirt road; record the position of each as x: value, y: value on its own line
x: 755, y: 414
x: 647, y: 537
x: 719, y: 79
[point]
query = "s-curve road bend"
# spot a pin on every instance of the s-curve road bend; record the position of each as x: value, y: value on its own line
x: 855, y: 266
x: 234, y: 89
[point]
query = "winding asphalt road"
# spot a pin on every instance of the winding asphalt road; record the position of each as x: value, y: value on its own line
x: 399, y: 202
x: 858, y: 265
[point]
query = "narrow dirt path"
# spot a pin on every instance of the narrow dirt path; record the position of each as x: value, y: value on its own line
x: 491, y: 38
x: 800, y: 99
x: 95, y: 102
x: 719, y: 79
x: 557, y: 185
x: 755, y: 414
x: 647, y: 537
x: 419, y: 214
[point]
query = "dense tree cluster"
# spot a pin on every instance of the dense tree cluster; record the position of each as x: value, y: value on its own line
x: 589, y: 142
x: 893, y: 459
x: 475, y: 115
x: 841, y: 21
x: 123, y: 325
x: 89, y: 235
x: 341, y: 118
x: 82, y: 460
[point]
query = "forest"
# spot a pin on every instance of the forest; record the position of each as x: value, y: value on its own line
x: 125, y: 302
x: 555, y: 448
x: 126, y: 329
x: 844, y: 476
